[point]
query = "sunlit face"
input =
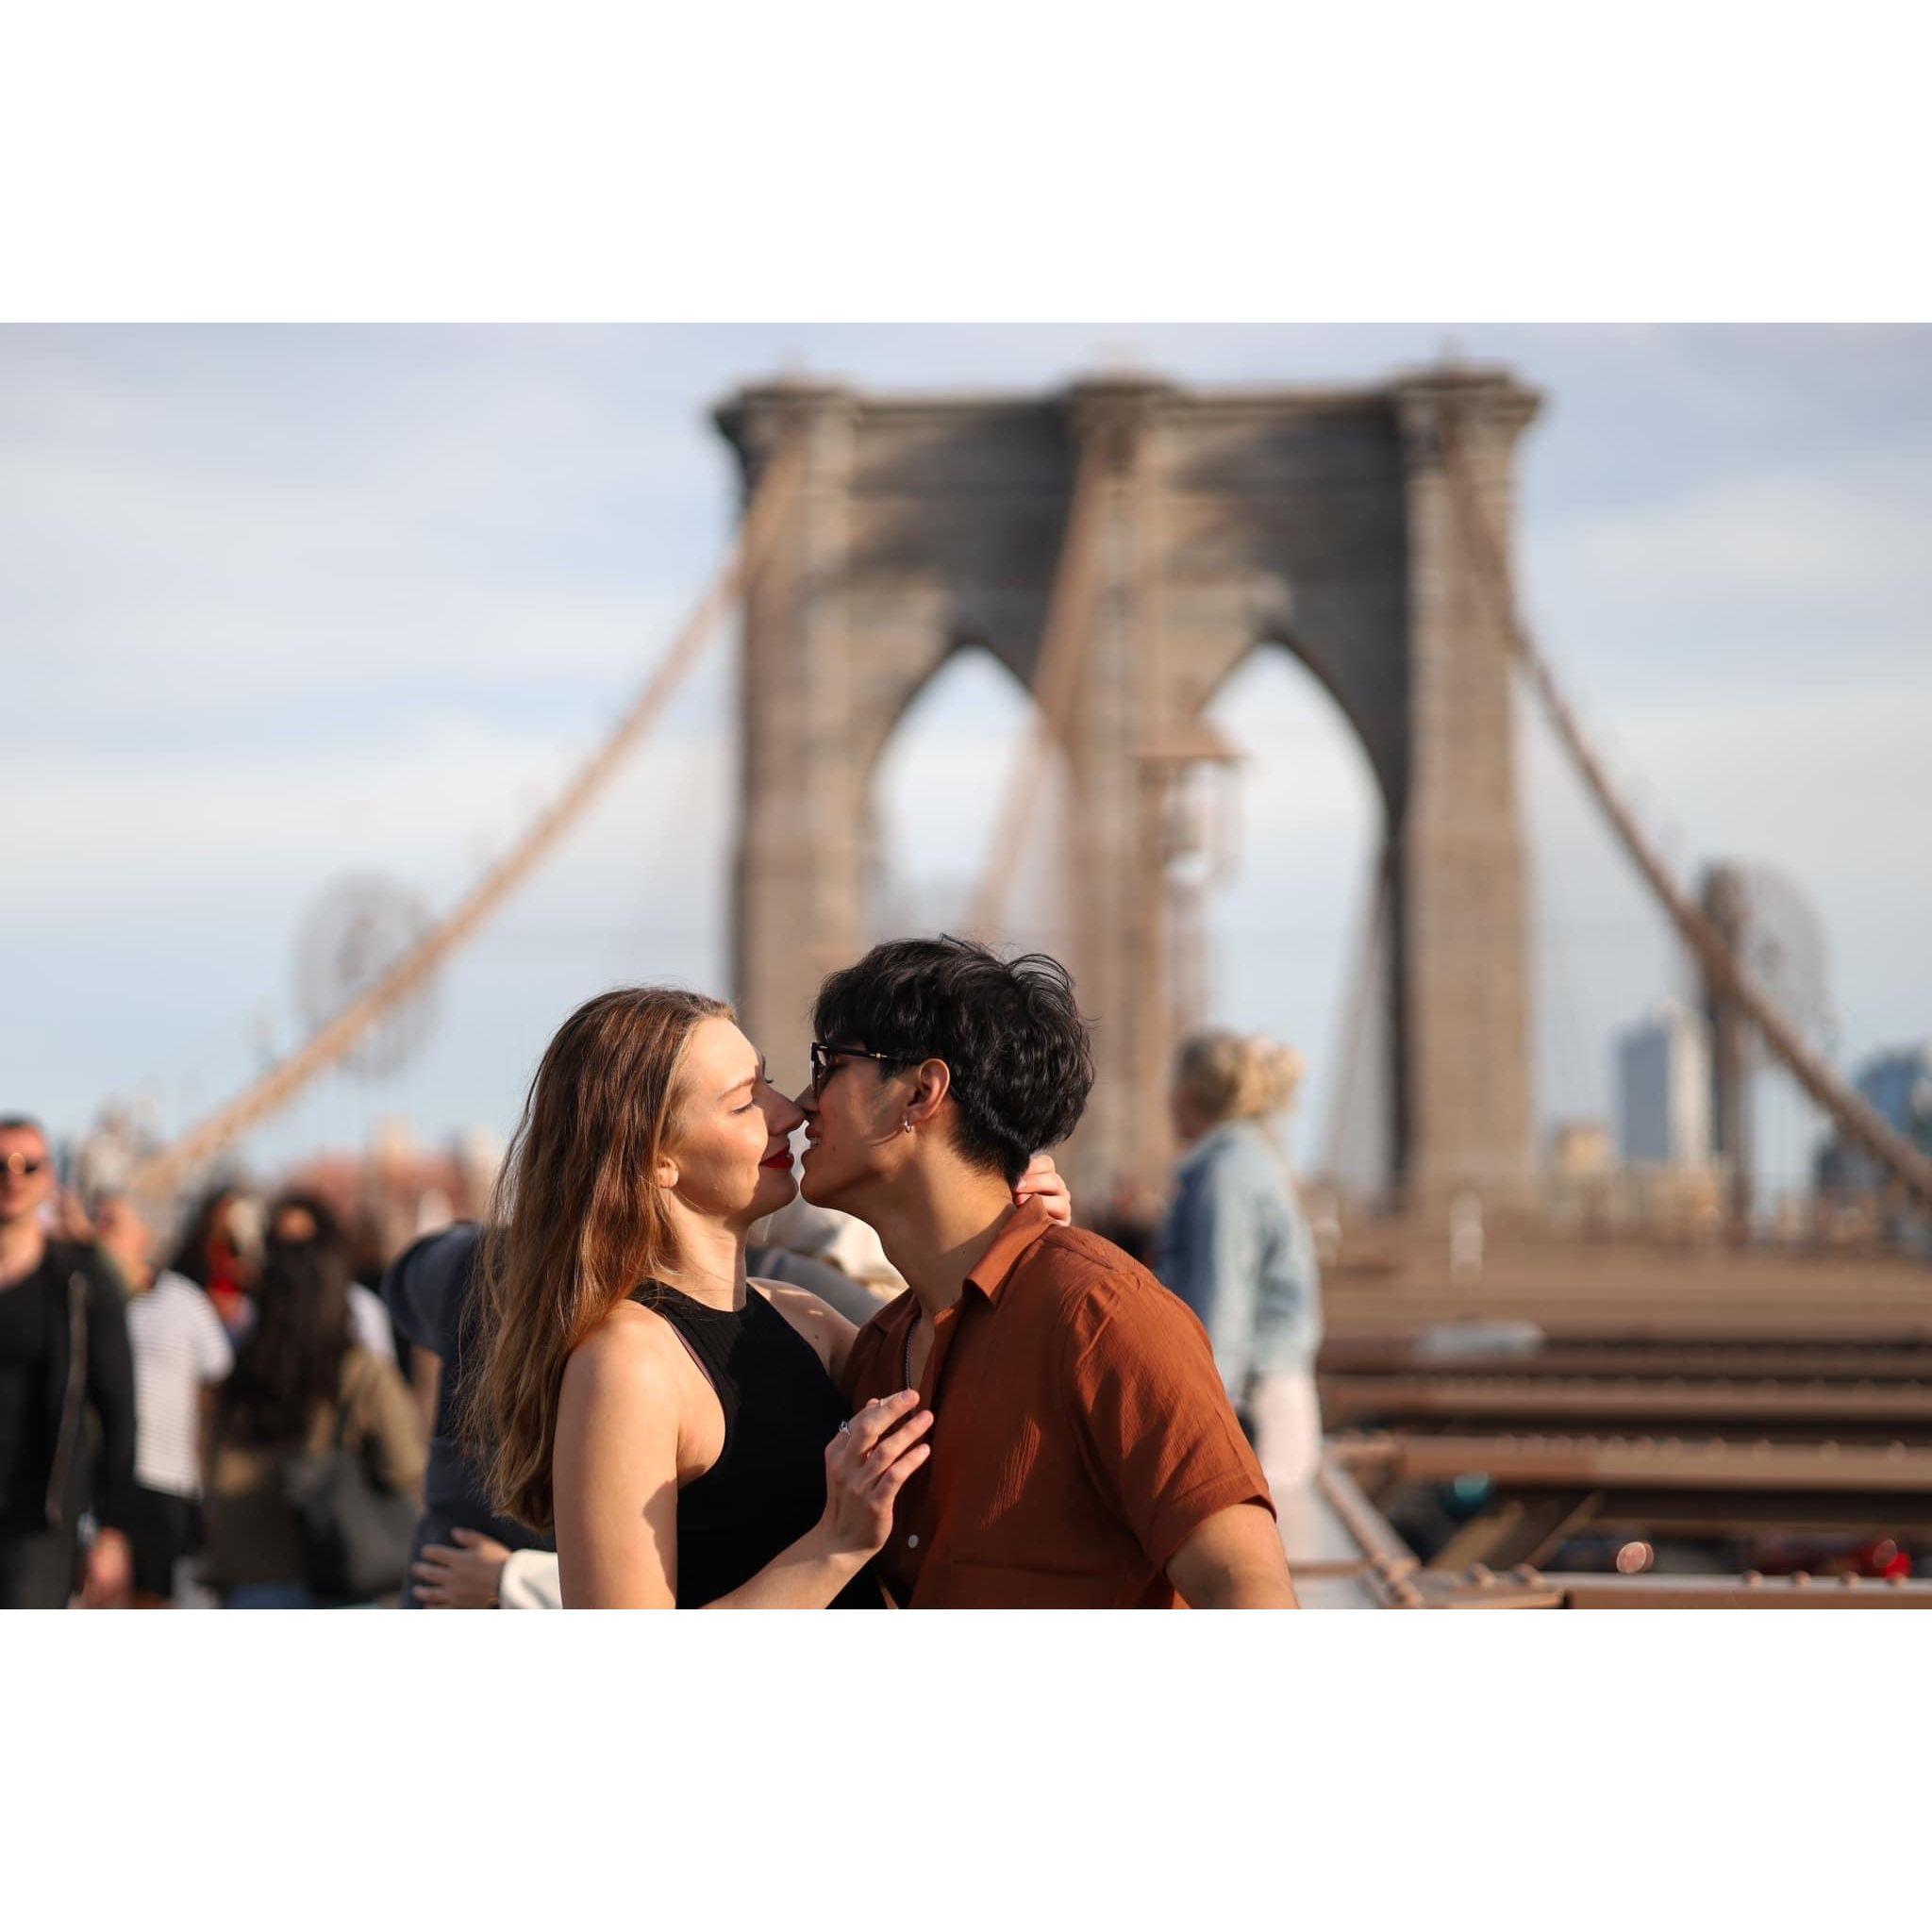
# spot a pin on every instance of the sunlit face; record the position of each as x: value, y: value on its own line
x: 852, y: 1131
x: 730, y: 1140
x: 293, y: 1227
x: 26, y: 1175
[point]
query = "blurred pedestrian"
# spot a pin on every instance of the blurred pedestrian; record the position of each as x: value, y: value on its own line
x: 427, y: 1291
x: 296, y: 1219
x: 66, y: 1397
x: 301, y: 1385
x: 220, y: 1251
x: 1236, y: 1247
x: 835, y: 1257
x: 181, y: 1356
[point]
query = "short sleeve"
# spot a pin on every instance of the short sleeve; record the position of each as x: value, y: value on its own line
x: 214, y: 1355
x: 530, y: 1581
x: 369, y: 1323
x: 1156, y: 1432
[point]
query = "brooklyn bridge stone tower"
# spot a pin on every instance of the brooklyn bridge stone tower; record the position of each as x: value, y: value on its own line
x: 1318, y: 521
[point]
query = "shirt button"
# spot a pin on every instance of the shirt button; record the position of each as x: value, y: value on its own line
x: 912, y: 1542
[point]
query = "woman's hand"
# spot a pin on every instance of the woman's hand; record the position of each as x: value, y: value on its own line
x: 1044, y: 1183
x: 866, y: 1465
x: 459, y: 1579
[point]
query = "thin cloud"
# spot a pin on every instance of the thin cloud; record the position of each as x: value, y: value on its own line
x: 1855, y: 536
x: 279, y: 600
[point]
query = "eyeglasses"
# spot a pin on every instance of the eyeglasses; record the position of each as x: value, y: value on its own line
x: 824, y: 1061
x: 23, y: 1163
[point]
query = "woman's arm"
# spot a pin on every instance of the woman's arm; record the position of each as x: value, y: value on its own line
x: 614, y: 1473
x: 616, y: 1485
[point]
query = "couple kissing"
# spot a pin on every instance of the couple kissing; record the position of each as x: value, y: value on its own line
x: 1035, y: 1422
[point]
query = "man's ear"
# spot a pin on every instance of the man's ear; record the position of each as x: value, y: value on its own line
x: 930, y: 1085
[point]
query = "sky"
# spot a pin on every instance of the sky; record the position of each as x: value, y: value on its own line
x: 279, y: 605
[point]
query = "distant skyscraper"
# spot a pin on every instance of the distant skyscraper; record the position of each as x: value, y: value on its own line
x: 1897, y: 1084
x: 1663, y: 1089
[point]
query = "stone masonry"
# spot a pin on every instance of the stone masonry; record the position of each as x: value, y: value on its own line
x: 1315, y: 520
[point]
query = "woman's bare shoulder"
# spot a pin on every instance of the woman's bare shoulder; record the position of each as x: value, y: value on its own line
x: 632, y: 1350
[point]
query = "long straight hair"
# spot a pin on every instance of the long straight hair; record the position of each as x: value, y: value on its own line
x: 577, y: 1223
x: 290, y: 1361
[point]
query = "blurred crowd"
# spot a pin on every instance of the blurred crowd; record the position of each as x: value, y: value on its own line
x: 264, y: 1410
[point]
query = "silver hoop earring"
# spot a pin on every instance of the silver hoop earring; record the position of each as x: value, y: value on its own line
x: 905, y: 1126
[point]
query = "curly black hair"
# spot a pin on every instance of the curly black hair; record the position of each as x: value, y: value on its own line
x: 1008, y: 1029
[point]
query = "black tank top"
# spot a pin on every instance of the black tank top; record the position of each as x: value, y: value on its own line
x: 767, y: 1488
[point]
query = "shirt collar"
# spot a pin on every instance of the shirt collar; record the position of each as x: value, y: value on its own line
x: 1022, y: 1226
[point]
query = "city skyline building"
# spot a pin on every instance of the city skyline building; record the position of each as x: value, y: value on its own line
x: 1897, y: 1083
x: 1664, y: 1088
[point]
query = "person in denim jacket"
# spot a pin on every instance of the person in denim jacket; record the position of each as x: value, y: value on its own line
x: 1236, y: 1246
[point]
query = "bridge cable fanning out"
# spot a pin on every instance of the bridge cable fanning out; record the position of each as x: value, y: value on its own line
x: 332, y: 1041
x: 1853, y: 1115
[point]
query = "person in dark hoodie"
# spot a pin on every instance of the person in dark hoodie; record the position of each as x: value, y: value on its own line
x: 426, y: 1291
x: 66, y: 1398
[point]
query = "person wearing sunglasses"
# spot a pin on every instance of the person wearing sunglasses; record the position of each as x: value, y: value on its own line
x: 66, y: 1398
x: 676, y: 1424
x: 1083, y: 1450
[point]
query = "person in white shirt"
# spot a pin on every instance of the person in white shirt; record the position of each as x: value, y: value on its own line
x: 369, y: 1323
x: 181, y: 1356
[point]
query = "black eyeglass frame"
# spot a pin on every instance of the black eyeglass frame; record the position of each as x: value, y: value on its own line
x: 824, y: 1059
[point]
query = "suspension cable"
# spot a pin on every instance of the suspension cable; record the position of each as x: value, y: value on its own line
x: 324, y: 1047
x: 1853, y: 1114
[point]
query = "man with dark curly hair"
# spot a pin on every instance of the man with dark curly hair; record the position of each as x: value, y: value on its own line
x: 1084, y: 1454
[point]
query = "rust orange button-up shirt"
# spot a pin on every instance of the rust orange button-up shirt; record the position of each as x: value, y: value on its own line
x: 1080, y: 1434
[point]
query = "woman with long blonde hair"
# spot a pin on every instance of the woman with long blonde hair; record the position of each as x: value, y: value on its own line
x: 677, y: 1425
x: 1236, y: 1247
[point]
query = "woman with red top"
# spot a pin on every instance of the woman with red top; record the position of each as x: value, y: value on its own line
x: 219, y: 1253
